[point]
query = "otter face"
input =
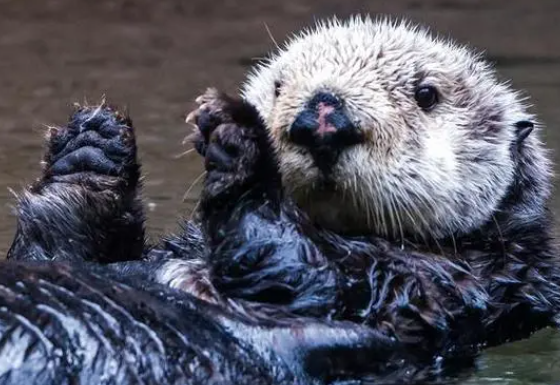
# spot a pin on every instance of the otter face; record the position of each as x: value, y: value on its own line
x: 381, y: 128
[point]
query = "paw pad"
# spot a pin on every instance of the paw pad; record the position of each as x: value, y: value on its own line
x: 96, y: 140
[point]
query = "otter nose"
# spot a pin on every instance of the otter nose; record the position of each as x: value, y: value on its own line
x: 324, y: 125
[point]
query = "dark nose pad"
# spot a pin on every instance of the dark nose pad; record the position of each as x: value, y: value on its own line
x: 323, y: 125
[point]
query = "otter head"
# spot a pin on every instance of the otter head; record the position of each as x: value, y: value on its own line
x: 381, y: 128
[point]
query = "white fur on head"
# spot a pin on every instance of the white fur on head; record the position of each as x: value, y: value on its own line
x: 438, y: 172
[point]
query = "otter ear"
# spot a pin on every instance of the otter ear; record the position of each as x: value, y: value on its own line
x: 524, y: 129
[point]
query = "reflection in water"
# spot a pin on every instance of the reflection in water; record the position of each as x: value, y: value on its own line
x: 156, y: 56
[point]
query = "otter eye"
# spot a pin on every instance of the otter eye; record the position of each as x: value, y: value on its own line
x: 277, y: 88
x: 426, y: 97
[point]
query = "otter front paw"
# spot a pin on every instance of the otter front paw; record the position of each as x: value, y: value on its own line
x: 233, y: 140
x: 96, y: 149
x: 213, y: 110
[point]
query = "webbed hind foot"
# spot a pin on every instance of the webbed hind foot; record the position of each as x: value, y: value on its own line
x: 96, y: 149
x: 85, y: 205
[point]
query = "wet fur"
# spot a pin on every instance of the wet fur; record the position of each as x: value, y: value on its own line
x: 66, y: 315
x: 493, y: 285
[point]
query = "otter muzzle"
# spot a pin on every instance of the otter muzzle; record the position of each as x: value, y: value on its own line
x: 324, y: 128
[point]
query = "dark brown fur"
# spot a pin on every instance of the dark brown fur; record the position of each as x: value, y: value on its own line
x: 497, y: 284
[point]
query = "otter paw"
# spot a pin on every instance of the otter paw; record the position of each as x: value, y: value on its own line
x: 214, y: 108
x: 230, y: 137
x: 97, y: 144
x: 231, y: 158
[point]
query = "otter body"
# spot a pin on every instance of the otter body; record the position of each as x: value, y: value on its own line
x: 370, y: 174
x: 65, y: 324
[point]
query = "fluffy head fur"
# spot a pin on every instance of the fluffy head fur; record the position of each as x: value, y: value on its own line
x: 434, y: 173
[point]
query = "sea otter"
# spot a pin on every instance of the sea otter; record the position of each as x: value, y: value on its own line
x: 396, y: 182
x: 370, y: 173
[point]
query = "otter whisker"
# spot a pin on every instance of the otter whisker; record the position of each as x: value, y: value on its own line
x: 390, y: 211
x: 194, y: 209
x: 356, y: 201
x: 431, y: 234
x: 190, y: 138
x: 378, y: 209
x: 394, y: 203
x: 383, y: 214
x: 372, y: 213
x: 417, y: 229
x: 271, y: 36
x: 498, y: 228
x: 356, y: 194
x: 184, y: 153
x: 193, y: 184
x: 364, y: 199
x: 426, y: 226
